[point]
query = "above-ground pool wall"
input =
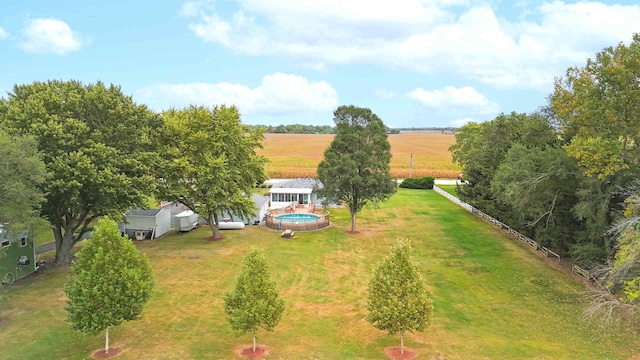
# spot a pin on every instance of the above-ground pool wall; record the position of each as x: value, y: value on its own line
x: 272, y: 222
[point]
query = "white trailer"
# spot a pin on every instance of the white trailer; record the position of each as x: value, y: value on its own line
x: 186, y: 221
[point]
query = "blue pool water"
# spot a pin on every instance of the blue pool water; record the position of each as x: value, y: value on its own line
x: 298, y: 218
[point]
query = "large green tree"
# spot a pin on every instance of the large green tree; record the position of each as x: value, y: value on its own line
x: 540, y: 184
x: 98, y: 146
x: 397, y: 299
x: 598, y: 111
x: 355, y: 168
x: 211, y: 161
x: 481, y: 148
x: 110, y: 282
x: 255, y: 302
x: 22, y: 172
x: 598, y: 107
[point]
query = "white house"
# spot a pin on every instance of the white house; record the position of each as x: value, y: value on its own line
x: 146, y: 223
x: 298, y: 192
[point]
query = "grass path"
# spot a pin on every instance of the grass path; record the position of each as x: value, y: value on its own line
x: 493, y: 298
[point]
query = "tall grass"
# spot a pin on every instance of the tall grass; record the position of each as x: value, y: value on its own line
x: 493, y: 298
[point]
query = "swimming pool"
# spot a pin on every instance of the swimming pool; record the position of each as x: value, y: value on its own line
x: 297, y: 218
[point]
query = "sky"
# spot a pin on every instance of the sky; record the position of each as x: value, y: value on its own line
x: 415, y: 63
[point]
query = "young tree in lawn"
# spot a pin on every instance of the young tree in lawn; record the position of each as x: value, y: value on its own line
x: 98, y: 146
x: 110, y: 282
x: 255, y: 301
x: 211, y: 161
x: 397, y: 300
x: 355, y: 168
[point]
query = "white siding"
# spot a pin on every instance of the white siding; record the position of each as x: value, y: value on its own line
x: 163, y: 222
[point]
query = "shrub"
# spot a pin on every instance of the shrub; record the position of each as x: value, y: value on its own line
x: 425, y: 182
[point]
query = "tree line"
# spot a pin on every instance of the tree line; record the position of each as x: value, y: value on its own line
x: 298, y: 129
x: 568, y: 174
x: 308, y: 129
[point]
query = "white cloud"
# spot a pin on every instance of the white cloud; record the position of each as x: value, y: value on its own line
x: 195, y: 8
x: 455, y: 37
x: 461, y: 122
x: 51, y: 36
x: 3, y: 34
x: 464, y: 99
x: 317, y: 66
x: 277, y: 94
x: 384, y: 94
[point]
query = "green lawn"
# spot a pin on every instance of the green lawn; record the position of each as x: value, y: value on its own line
x: 451, y: 189
x: 493, y: 298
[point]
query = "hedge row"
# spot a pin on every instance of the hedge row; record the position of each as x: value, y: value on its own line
x: 425, y: 182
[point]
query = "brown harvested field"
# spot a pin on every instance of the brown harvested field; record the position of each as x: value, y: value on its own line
x: 298, y: 155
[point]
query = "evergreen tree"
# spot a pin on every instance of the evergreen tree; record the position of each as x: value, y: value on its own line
x: 397, y: 300
x: 255, y: 302
x: 110, y: 282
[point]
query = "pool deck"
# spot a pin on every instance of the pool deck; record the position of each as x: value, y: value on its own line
x: 298, y: 210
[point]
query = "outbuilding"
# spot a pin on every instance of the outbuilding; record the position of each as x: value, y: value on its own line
x: 262, y: 205
x: 17, y: 255
x: 143, y: 224
x: 186, y: 221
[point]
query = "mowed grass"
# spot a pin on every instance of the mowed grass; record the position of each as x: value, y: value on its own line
x: 493, y: 298
x: 451, y: 189
x: 298, y: 155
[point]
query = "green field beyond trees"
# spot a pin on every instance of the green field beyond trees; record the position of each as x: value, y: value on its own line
x: 493, y: 298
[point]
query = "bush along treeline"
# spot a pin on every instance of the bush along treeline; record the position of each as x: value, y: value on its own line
x: 567, y: 175
x: 425, y: 182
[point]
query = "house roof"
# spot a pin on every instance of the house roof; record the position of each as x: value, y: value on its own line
x: 143, y: 212
x: 300, y: 183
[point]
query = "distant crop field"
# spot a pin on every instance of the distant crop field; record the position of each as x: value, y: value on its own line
x: 298, y: 155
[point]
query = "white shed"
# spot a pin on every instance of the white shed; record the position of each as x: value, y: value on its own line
x: 186, y: 221
x: 262, y: 204
x: 143, y: 224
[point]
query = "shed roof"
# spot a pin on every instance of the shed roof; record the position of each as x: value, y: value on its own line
x: 259, y: 200
x: 143, y: 212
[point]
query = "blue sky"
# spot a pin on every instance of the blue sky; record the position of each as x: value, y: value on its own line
x: 415, y: 63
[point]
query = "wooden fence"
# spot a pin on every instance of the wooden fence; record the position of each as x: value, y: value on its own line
x: 514, y: 234
x: 582, y: 272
